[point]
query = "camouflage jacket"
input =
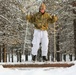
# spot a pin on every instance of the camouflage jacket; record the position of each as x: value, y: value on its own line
x: 41, y: 21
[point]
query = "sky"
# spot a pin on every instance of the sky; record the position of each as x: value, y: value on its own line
x: 39, y: 71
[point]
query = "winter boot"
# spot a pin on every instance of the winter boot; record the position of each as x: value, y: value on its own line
x: 44, y: 58
x: 33, y: 57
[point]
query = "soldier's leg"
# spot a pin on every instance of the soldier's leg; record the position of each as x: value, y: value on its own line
x: 45, y: 42
x: 35, y: 42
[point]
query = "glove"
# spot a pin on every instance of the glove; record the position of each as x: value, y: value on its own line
x: 55, y: 18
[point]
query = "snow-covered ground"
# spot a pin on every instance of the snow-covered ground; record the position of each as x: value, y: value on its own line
x: 39, y: 71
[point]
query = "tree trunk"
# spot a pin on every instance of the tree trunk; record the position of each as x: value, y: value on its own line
x: 0, y: 53
x: 57, y: 46
x: 4, y: 53
x: 74, y: 23
x: 75, y: 36
x: 39, y: 54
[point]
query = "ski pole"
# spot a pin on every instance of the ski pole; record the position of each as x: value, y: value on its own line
x: 54, y: 43
x: 54, y: 40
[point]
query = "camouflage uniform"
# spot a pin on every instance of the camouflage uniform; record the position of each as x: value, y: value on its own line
x: 40, y: 20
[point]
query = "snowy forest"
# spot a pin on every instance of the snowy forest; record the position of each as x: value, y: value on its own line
x: 16, y: 32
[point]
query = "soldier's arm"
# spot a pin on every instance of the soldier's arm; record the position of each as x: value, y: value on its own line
x: 52, y: 18
x: 30, y: 18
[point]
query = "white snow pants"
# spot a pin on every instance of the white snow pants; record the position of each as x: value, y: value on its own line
x: 40, y: 36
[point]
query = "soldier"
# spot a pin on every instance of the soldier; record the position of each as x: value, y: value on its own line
x: 41, y: 20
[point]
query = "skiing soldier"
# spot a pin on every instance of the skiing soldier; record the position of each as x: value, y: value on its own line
x: 41, y: 20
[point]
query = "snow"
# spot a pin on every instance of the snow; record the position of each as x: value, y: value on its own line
x: 39, y: 71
